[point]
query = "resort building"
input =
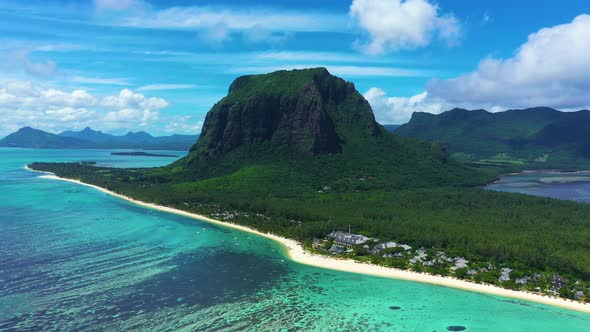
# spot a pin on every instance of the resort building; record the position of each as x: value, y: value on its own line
x: 348, y: 239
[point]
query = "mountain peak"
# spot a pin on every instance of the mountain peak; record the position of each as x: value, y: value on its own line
x: 308, y: 129
x: 300, y: 112
x: 137, y: 133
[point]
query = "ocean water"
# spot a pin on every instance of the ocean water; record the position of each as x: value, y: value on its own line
x: 573, y: 186
x: 75, y: 259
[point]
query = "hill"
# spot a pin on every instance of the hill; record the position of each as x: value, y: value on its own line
x: 87, y: 134
x: 28, y: 137
x: 313, y: 130
x: 537, y: 137
x: 91, y: 139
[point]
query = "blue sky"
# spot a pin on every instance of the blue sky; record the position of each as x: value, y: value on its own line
x: 159, y: 66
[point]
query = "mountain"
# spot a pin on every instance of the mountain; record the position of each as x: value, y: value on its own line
x: 87, y: 134
x: 91, y: 139
x: 541, y: 135
x: 309, y: 129
x: 28, y: 137
x: 140, y: 137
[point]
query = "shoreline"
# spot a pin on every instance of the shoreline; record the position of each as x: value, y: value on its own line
x: 297, y: 253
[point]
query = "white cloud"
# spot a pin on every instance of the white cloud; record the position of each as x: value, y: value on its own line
x: 240, y: 18
x: 24, y: 103
x: 69, y: 114
x: 76, y: 98
x: 131, y: 117
x: 183, y: 124
x: 398, y: 110
x: 98, y: 80
x: 128, y: 99
x: 157, y: 87
x: 551, y: 69
x: 401, y: 24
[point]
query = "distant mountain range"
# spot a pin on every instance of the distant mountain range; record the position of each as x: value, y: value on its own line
x: 88, y: 138
x: 538, y: 135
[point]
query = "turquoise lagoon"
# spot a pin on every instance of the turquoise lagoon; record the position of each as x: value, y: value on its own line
x: 574, y: 186
x: 74, y: 258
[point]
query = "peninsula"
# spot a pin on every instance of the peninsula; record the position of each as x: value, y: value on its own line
x: 299, y: 154
x: 298, y: 253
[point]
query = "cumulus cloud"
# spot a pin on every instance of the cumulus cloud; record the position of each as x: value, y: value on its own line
x: 183, y: 124
x: 23, y: 103
x: 398, y: 110
x: 392, y: 25
x: 128, y: 99
x: 551, y: 69
x: 129, y: 116
x: 76, y: 98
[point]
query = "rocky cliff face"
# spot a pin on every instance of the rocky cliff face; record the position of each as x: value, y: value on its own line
x: 305, y: 112
x: 306, y: 130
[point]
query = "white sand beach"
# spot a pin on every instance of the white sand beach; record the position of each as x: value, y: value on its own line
x: 299, y: 255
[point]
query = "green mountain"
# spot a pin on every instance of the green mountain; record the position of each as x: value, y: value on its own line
x: 91, y: 139
x: 87, y: 134
x: 539, y: 136
x: 308, y: 129
x: 28, y: 137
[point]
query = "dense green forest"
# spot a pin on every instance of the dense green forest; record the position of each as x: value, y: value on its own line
x: 538, y: 232
x: 538, y: 137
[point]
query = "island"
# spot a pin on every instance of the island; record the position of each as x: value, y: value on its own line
x: 297, y: 156
x: 143, y: 154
